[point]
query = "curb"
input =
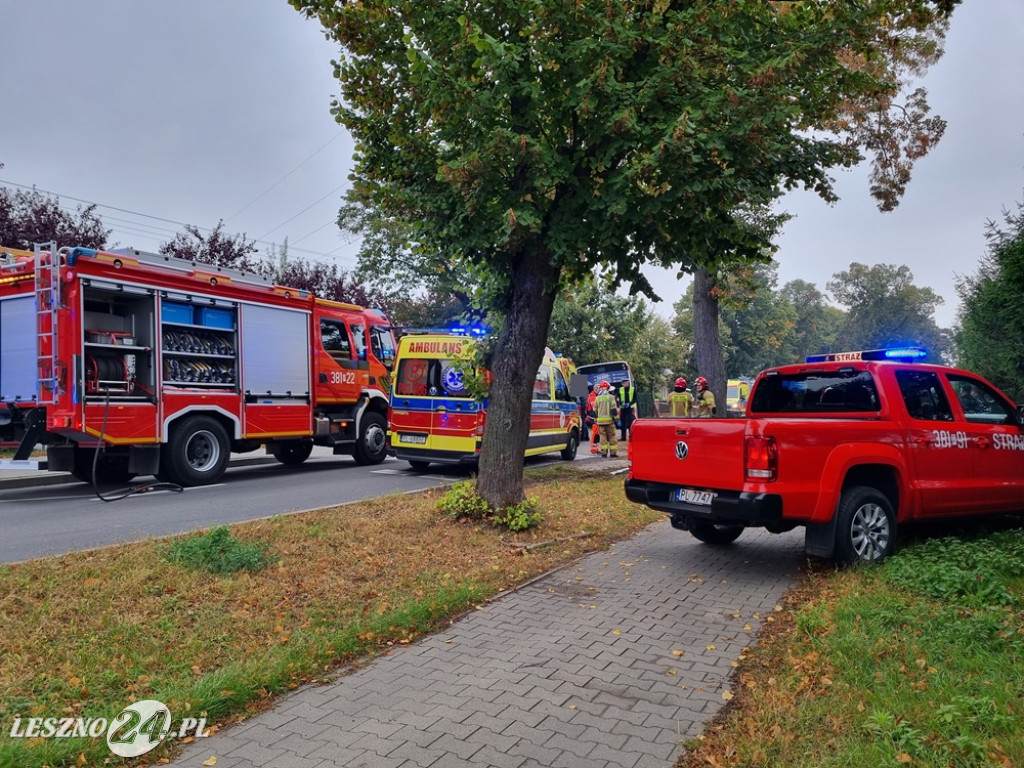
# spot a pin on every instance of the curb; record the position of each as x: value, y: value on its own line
x: 43, y: 477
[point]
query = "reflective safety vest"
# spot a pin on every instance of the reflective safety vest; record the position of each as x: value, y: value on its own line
x: 604, y: 405
x: 628, y: 396
x: 680, y: 403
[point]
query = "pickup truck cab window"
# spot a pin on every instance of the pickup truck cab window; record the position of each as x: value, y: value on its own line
x: 923, y: 395
x: 980, y: 403
x: 816, y: 392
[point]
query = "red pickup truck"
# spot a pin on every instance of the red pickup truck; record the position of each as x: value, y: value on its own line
x: 851, y: 446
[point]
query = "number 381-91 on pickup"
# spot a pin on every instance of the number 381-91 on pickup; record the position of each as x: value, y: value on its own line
x: 853, y: 447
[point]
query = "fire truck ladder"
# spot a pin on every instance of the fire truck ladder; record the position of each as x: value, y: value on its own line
x: 48, y: 300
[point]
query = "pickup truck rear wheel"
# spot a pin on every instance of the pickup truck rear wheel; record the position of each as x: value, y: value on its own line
x: 711, y: 533
x: 865, y: 526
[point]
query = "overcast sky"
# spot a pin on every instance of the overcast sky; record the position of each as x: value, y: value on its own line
x: 192, y: 111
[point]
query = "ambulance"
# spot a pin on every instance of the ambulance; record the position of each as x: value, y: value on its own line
x: 437, y: 416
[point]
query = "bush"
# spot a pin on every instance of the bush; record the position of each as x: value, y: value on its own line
x: 520, y: 516
x: 462, y: 502
x: 217, y: 551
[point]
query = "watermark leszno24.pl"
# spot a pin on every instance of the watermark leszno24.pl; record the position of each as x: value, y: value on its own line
x: 134, y: 731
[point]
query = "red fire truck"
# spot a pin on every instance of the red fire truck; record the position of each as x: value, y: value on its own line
x: 166, y: 366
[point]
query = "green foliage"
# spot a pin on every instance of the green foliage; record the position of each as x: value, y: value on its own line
x: 760, y: 320
x: 461, y: 502
x: 885, y: 308
x: 521, y: 516
x: 990, y: 339
x: 217, y: 551
x: 590, y: 323
x: 972, y: 572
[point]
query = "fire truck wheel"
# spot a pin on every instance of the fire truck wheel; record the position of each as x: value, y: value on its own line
x: 569, y: 452
x: 371, y: 447
x: 293, y: 452
x: 865, y: 526
x: 710, y: 533
x: 197, y: 453
x: 110, y: 469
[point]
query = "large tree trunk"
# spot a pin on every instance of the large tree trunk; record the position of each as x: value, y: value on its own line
x: 517, y: 355
x: 707, y: 345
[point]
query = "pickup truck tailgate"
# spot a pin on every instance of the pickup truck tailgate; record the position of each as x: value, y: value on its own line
x: 699, y: 453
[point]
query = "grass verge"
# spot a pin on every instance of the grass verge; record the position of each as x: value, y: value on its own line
x: 85, y: 634
x: 919, y: 662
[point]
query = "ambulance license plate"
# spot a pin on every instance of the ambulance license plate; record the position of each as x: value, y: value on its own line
x: 418, y: 439
x: 690, y: 496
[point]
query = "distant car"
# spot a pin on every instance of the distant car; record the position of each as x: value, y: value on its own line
x: 736, y: 394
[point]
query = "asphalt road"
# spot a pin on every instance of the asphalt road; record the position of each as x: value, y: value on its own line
x: 53, y: 519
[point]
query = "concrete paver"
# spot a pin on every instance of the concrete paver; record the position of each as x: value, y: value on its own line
x: 580, y: 669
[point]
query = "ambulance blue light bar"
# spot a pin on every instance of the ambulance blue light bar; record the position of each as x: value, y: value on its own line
x: 900, y: 354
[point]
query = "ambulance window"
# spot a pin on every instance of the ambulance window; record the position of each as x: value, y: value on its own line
x: 923, y: 395
x: 452, y: 379
x: 561, y: 388
x: 980, y: 402
x: 335, y: 341
x: 413, y: 377
x: 542, y: 384
x: 359, y: 336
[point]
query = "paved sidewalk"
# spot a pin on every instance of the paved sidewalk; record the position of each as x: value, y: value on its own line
x: 578, y: 669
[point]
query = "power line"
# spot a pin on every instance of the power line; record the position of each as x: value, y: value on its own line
x: 161, y: 233
x: 336, y: 189
x: 293, y: 170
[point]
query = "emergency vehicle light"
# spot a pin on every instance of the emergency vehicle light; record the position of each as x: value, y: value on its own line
x: 902, y: 354
x: 473, y: 330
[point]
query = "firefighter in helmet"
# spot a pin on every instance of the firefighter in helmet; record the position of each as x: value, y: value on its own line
x: 680, y: 401
x: 704, y: 400
x: 591, y: 423
x: 606, y: 409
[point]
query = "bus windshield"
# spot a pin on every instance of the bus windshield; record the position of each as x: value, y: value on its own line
x: 614, y: 373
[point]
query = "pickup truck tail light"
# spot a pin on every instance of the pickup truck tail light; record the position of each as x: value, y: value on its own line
x: 761, y: 459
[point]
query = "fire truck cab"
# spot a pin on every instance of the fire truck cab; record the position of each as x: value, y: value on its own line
x: 166, y: 366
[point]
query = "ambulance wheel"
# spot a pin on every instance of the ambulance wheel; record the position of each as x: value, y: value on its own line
x: 371, y: 447
x: 110, y: 469
x: 418, y: 464
x: 293, y: 452
x: 197, y: 453
x: 865, y: 526
x: 711, y: 533
x: 569, y: 452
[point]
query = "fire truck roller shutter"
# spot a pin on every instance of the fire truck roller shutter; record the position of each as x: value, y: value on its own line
x: 275, y: 351
x: 18, y: 348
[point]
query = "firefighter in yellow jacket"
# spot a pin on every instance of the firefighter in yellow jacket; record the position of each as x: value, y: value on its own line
x: 606, y: 409
x: 680, y: 402
x: 705, y: 400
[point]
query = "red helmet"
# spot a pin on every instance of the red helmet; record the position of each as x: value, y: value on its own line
x: 605, y: 385
x: 702, y: 382
x: 681, y: 382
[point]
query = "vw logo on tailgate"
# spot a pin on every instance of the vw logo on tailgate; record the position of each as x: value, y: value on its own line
x: 682, y: 450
